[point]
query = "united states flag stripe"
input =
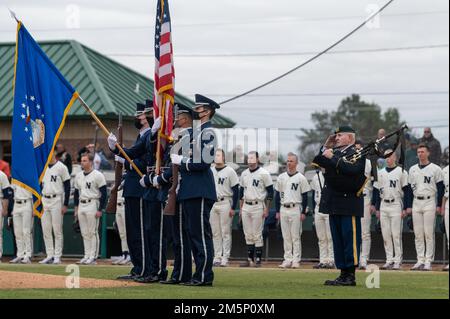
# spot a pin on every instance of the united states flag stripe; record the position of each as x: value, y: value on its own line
x: 164, y: 90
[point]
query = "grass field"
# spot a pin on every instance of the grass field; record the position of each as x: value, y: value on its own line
x: 239, y: 283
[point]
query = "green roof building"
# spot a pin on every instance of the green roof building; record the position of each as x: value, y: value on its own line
x: 108, y: 87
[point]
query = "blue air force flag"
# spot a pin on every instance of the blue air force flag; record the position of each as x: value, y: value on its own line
x: 42, y: 99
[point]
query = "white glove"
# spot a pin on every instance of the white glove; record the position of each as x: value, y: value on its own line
x: 141, y: 181
x: 155, y: 181
x: 112, y: 141
x: 157, y: 125
x: 176, y: 159
x: 119, y: 159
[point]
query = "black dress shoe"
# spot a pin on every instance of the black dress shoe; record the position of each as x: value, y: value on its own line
x: 196, y: 283
x: 127, y: 277
x: 348, y: 280
x: 147, y: 280
x: 170, y: 282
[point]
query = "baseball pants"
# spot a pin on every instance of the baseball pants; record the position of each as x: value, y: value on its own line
x: 391, y: 228
x: 23, y: 227
x: 221, y: 223
x: 322, y: 222
x: 121, y: 225
x: 445, y: 220
x: 1, y: 228
x: 424, y: 219
x: 366, y: 222
x: 253, y: 224
x: 52, y: 224
x: 89, y: 228
x: 291, y: 228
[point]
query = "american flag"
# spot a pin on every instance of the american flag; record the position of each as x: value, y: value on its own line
x: 164, y: 92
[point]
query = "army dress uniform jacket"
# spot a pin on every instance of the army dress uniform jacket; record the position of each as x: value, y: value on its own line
x: 344, y: 183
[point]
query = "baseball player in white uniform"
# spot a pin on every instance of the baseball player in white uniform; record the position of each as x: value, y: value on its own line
x: 366, y: 221
x: 120, y: 221
x: 322, y: 224
x: 291, y: 200
x: 55, y: 200
x: 6, y: 194
x: 392, y: 190
x: 256, y: 193
x: 90, y: 200
x: 222, y: 213
x: 444, y: 207
x: 426, y: 180
x: 23, y: 224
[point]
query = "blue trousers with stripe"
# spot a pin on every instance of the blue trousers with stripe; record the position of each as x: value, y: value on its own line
x: 198, y: 212
x: 346, y: 234
x: 182, y: 268
x: 158, y: 241
x: 133, y: 213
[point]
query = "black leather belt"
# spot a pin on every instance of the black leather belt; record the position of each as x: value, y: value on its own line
x: 252, y: 203
x: 423, y: 197
x: 50, y: 196
x: 120, y: 204
x: 389, y: 201
x: 289, y: 205
x: 221, y: 199
x: 21, y: 201
x: 85, y: 201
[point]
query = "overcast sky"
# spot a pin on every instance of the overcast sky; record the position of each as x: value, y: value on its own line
x: 124, y: 30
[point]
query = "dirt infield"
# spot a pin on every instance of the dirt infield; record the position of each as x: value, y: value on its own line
x: 23, y: 280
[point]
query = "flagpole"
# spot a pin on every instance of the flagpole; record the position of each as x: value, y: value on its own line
x: 158, y: 150
x: 105, y: 130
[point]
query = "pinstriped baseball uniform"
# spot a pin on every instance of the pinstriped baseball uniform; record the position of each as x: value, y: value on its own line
x: 423, y: 181
x: 52, y: 201
x: 89, y: 189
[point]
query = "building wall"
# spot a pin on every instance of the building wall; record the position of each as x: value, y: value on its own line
x: 75, y: 135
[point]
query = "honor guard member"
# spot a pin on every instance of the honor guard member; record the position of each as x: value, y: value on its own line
x: 444, y: 207
x: 121, y: 226
x: 23, y: 224
x: 426, y: 181
x: 342, y: 199
x: 222, y: 213
x: 256, y: 193
x: 392, y: 193
x: 6, y: 194
x: 182, y: 268
x: 55, y: 200
x: 291, y: 201
x: 366, y: 221
x: 197, y: 192
x: 137, y: 217
x: 89, y: 201
x: 322, y: 224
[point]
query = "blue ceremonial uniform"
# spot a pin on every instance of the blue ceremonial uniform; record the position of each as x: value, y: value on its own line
x: 177, y: 225
x: 142, y: 150
x: 133, y: 192
x: 342, y: 199
x: 197, y: 195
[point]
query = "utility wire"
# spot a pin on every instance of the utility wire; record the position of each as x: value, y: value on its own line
x: 333, y: 94
x: 313, y: 58
x: 274, y: 54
